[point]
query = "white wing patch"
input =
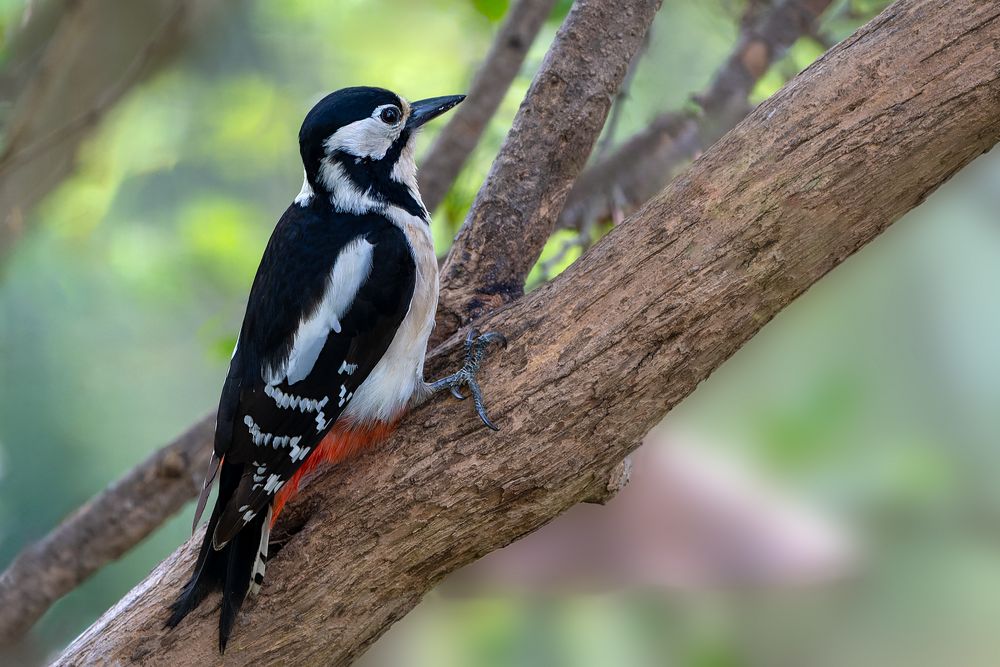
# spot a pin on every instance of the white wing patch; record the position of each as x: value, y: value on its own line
x: 349, y: 272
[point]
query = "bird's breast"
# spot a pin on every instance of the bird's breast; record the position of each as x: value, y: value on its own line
x: 399, y: 373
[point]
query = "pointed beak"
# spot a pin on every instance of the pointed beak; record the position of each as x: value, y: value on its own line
x: 425, y: 110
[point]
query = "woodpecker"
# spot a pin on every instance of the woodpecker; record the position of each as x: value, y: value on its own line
x: 331, y: 350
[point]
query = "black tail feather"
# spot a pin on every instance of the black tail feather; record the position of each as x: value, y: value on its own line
x: 229, y: 568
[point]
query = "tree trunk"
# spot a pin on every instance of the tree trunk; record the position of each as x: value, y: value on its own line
x: 599, y: 355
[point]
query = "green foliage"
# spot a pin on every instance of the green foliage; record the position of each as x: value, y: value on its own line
x: 802, y: 53
x: 492, y: 9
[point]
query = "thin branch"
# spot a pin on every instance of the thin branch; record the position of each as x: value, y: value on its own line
x: 14, y: 155
x: 102, y: 530
x: 460, y: 136
x: 40, y: 138
x: 558, y: 123
x: 642, y: 165
x: 584, y: 236
x: 599, y: 355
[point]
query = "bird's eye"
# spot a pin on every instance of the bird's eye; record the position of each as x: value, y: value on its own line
x: 390, y: 115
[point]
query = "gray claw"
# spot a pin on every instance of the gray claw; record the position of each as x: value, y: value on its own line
x: 475, y: 351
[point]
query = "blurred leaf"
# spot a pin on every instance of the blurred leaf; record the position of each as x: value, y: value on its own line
x: 802, y: 53
x: 556, y: 244
x: 802, y: 434
x: 224, y: 237
x: 560, y: 11
x: 491, y: 9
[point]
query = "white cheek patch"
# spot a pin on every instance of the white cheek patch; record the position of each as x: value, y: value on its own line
x: 365, y: 138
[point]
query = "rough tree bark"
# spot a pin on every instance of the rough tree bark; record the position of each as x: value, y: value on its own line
x: 639, y: 168
x: 45, y: 572
x: 459, y: 137
x: 558, y: 123
x: 601, y: 353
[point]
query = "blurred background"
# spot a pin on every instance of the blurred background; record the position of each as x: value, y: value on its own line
x: 828, y: 497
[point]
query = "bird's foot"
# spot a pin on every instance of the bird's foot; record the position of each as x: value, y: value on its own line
x: 475, y: 352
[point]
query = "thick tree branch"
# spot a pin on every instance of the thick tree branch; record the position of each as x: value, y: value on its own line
x: 598, y: 355
x: 628, y: 176
x: 558, y: 123
x: 459, y: 137
x: 39, y: 576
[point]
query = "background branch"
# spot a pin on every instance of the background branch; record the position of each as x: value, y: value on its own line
x: 599, y: 354
x: 557, y: 125
x: 102, y: 530
x: 460, y: 135
x: 67, y: 43
x: 629, y: 175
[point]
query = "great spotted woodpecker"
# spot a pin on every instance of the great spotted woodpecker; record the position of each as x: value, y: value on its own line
x: 331, y: 351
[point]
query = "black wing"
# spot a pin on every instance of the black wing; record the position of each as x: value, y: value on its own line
x: 270, y: 428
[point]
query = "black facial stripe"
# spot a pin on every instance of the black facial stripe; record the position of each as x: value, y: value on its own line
x: 375, y: 176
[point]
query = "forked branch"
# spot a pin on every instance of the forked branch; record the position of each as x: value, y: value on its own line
x: 599, y: 355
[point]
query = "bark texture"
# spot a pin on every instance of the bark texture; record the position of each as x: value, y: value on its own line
x: 459, y: 137
x: 600, y: 354
x: 557, y: 125
x: 635, y: 171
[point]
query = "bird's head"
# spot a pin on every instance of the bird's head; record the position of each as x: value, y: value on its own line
x: 357, y: 150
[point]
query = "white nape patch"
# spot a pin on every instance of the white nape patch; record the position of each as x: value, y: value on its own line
x: 366, y: 138
x: 400, y: 371
x: 350, y: 270
x: 347, y: 368
x: 306, y: 194
x: 259, y: 565
x: 235, y: 347
x: 345, y: 196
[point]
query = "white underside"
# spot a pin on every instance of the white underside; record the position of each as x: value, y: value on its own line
x: 400, y: 372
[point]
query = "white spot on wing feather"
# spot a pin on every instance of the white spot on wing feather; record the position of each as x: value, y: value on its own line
x: 261, y: 560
